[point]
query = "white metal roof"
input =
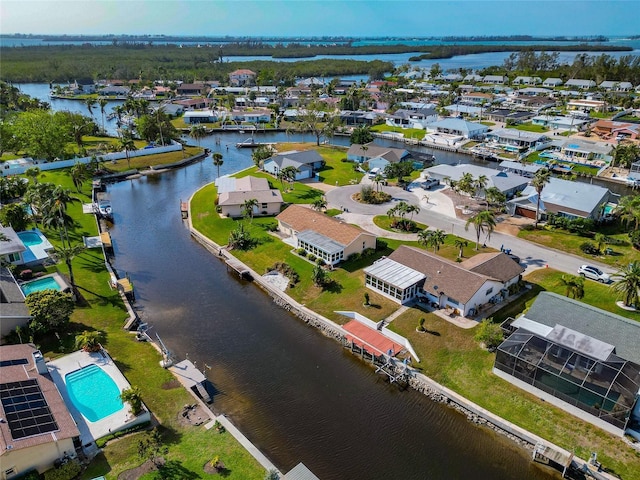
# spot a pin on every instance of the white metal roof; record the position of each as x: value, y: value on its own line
x: 394, y: 273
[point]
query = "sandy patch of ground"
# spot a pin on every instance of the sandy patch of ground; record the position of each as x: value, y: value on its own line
x: 512, y: 225
x: 276, y: 280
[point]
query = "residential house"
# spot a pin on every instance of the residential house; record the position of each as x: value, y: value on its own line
x: 242, y: 78
x: 325, y: 237
x: 254, y: 115
x: 306, y: 163
x: 12, y: 249
x: 457, y: 110
x: 476, y: 98
x: 467, y: 287
x: 526, y: 81
x: 532, y: 102
x: 519, y: 168
x: 505, y: 115
x: 579, y: 83
x: 586, y: 105
x: 562, y: 197
x: 514, y: 140
x: 195, y: 103
x: 360, y: 117
x: 192, y: 89
x: 450, y: 77
x: 608, y: 129
x: 115, y: 91
x: 457, y: 127
x: 24, y: 248
x: 36, y: 428
x: 579, y: 358
x: 13, y: 311
x: 412, y: 118
x: 534, y: 91
x: 495, y: 79
x: 365, y: 153
x: 508, y: 183
x: 587, y: 152
x: 84, y: 86
x: 472, y: 78
x: 616, y: 86
x: 558, y: 122
x: 200, y: 116
x: 552, y: 82
x: 234, y: 192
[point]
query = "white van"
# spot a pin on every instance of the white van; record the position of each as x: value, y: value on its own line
x: 373, y: 172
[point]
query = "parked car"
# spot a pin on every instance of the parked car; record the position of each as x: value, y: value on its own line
x: 594, y: 273
x: 430, y: 182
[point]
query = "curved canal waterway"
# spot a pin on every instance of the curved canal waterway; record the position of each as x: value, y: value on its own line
x: 293, y: 392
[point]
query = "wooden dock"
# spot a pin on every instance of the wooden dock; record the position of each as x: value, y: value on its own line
x: 105, y: 238
x: 251, y: 143
x: 192, y: 378
x: 239, y: 268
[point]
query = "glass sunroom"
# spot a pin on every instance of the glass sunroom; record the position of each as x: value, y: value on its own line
x: 588, y: 376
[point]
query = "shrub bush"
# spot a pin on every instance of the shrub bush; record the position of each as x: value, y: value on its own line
x: 634, y: 237
x: 302, y: 252
x: 312, y: 257
x: 489, y: 333
x: 321, y: 262
x: 68, y: 471
x: 354, y: 257
x: 589, y: 248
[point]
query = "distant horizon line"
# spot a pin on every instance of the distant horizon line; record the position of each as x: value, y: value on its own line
x: 313, y: 37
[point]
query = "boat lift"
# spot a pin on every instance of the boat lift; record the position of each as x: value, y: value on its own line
x: 168, y: 358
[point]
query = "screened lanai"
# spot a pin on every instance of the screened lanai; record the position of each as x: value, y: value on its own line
x: 578, y: 369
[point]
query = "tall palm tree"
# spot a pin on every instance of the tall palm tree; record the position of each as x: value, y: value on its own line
x: 198, y: 132
x: 90, y: 103
x: 483, y: 221
x: 127, y: 144
x: 466, y: 183
x: 480, y: 184
x: 67, y: 254
x: 627, y: 285
x: 540, y: 179
x: 424, y: 237
x: 248, y: 206
x: 629, y: 210
x: 103, y: 102
x: 55, y: 211
x: 79, y: 174
x: 217, y: 161
x: 437, y: 239
x: 460, y: 244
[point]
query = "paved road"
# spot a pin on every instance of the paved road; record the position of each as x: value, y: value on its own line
x: 532, y: 256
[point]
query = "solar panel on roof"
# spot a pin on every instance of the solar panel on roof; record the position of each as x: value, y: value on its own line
x: 26, y: 409
x: 14, y: 361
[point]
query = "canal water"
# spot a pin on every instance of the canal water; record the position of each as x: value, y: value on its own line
x: 293, y: 392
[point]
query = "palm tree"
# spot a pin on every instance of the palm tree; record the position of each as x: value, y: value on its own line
x: 79, y: 174
x: 629, y: 209
x: 574, y: 286
x: 601, y: 240
x: 128, y: 145
x: 482, y: 221
x: 289, y: 175
x: 378, y: 179
x: 479, y: 184
x: 67, y: 254
x: 90, y: 103
x: 319, y: 204
x: 466, y: 183
x: 248, y: 206
x: 540, y: 179
x: 133, y: 397
x: 90, y: 340
x: 320, y: 276
x: 627, y: 285
x: 103, y: 104
x: 437, y: 239
x: 460, y: 244
x: 217, y: 161
x: 33, y: 173
x: 198, y: 132
x: 424, y: 237
x: 55, y: 211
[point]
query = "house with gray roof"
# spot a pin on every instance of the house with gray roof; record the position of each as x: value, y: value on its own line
x: 512, y: 139
x: 306, y: 162
x: 410, y: 273
x: 526, y: 81
x: 616, y: 86
x: 234, y: 192
x: 365, y: 153
x: 412, y: 118
x: 522, y: 169
x: 562, y: 197
x: 507, y: 182
x: 563, y: 122
x: 577, y: 357
x: 472, y: 78
x: 552, y: 82
x: 458, y: 127
x: 580, y: 83
x: 496, y: 79
x: 14, y: 312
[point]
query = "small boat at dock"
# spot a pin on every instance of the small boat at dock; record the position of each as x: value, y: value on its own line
x: 251, y: 143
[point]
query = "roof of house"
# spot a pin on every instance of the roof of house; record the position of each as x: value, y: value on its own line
x: 242, y: 71
x: 242, y: 184
x: 495, y: 265
x: 13, y: 244
x: 300, y: 219
x: 12, y: 297
x: 296, y: 158
x: 521, y: 167
x: 515, y: 134
x: 552, y: 309
x: 394, y: 273
x: 504, y: 181
x: 372, y: 151
x: 459, y: 125
x: 60, y: 424
x: 238, y: 198
x: 574, y: 197
x: 442, y: 275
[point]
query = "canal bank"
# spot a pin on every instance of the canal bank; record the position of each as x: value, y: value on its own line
x: 436, y: 392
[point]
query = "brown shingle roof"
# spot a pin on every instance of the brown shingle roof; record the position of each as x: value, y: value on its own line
x: 14, y: 373
x: 495, y: 265
x: 443, y: 276
x: 301, y: 219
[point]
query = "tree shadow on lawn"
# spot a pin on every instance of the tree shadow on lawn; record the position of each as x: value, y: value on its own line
x: 173, y: 470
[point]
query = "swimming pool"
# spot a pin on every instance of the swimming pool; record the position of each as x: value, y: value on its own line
x: 93, y: 392
x: 30, y: 238
x: 46, y: 283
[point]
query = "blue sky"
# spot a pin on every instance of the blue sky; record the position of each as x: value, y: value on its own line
x: 321, y: 18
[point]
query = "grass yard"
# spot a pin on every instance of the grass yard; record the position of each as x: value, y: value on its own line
x: 453, y: 358
x: 300, y: 193
x: 570, y: 243
x: 416, y: 133
x: 384, y: 222
x: 529, y: 127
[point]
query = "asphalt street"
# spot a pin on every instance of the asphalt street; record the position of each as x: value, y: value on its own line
x: 532, y: 256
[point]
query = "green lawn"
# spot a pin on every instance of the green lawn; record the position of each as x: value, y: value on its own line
x: 570, y: 243
x: 383, y: 221
x: 416, y: 133
x: 528, y: 127
x: 301, y: 192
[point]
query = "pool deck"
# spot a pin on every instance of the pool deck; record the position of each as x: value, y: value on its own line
x: 91, y: 431
x: 37, y: 252
x: 62, y: 283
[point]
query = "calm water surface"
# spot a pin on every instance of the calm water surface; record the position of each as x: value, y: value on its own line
x: 296, y: 394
